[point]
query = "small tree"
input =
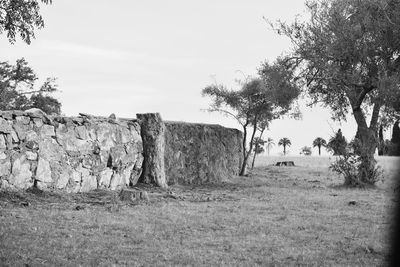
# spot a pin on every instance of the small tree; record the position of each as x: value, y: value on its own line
x: 258, y: 149
x: 259, y: 101
x: 337, y: 144
x: 284, y: 142
x: 306, y: 150
x: 21, y: 16
x: 17, y: 89
x: 269, y: 143
x: 319, y: 142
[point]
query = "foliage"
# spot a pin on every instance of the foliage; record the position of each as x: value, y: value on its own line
x: 319, y: 142
x: 284, y: 142
x: 21, y: 17
x: 17, y: 89
x: 258, y: 102
x: 351, y: 167
x: 269, y: 143
x: 337, y: 144
x: 306, y: 150
x: 348, y: 57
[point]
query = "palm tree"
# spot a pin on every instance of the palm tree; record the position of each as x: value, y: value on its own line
x: 269, y: 143
x: 319, y: 141
x: 284, y: 142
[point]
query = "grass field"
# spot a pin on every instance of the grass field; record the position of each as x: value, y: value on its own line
x: 277, y: 216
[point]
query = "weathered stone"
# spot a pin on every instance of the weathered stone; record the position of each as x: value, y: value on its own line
x: 137, y: 170
x: 152, y: 132
x: 43, y: 171
x: 81, y: 132
x: 23, y: 119
x: 31, y: 155
x: 3, y: 144
x: 47, y: 131
x: 5, y: 127
x: 14, y: 137
x: 21, y: 176
x: 38, y: 122
x: 62, y: 180
x: 5, y: 167
x: 117, y: 182
x: 2, y: 156
x: 89, y: 183
x: 105, y: 178
x: 31, y: 136
x: 21, y: 130
x: 201, y: 153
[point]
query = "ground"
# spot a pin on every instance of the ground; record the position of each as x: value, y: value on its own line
x: 277, y: 216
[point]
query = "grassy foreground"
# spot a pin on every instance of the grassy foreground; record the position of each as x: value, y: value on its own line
x: 278, y: 216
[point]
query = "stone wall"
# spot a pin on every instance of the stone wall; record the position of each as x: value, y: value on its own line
x: 70, y: 154
x: 79, y: 154
x: 201, y: 153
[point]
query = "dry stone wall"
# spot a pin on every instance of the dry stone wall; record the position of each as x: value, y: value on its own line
x: 71, y: 154
x: 201, y: 153
x: 79, y: 154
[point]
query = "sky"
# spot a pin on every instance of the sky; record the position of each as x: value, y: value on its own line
x: 129, y: 56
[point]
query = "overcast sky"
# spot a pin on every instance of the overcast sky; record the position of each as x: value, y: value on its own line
x: 130, y: 56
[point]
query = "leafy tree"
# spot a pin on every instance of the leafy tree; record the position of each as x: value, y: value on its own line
x: 348, y: 56
x: 319, y: 142
x: 259, y: 101
x: 337, y: 144
x: 258, y: 148
x: 21, y: 17
x: 17, y: 89
x: 306, y: 150
x: 269, y: 143
x: 284, y: 142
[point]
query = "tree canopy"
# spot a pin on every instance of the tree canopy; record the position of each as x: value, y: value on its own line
x: 21, y: 17
x: 259, y: 101
x: 18, y: 89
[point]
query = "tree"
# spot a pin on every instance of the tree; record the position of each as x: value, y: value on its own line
x: 21, y: 17
x: 306, y: 150
x: 284, y: 142
x: 17, y: 89
x: 319, y: 142
x: 337, y: 144
x: 259, y: 101
x: 258, y: 148
x: 269, y: 143
x: 348, y: 56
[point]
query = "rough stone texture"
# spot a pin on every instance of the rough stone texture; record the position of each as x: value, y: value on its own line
x: 152, y: 132
x: 201, y: 153
x: 75, y: 154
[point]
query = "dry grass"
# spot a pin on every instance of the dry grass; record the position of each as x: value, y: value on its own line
x: 280, y: 216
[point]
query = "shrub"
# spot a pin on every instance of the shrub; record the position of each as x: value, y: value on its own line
x: 352, y: 167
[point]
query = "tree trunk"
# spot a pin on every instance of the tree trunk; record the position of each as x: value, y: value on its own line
x: 367, y: 137
x: 319, y: 150
x: 245, y: 157
x: 243, y: 171
x: 284, y: 149
x: 381, y: 142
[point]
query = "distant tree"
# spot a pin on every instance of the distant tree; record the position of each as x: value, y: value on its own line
x: 259, y: 101
x: 21, y: 17
x: 17, y: 89
x: 319, y: 142
x: 284, y: 142
x: 337, y: 144
x: 269, y: 143
x: 258, y: 148
x: 347, y: 55
x: 306, y: 150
